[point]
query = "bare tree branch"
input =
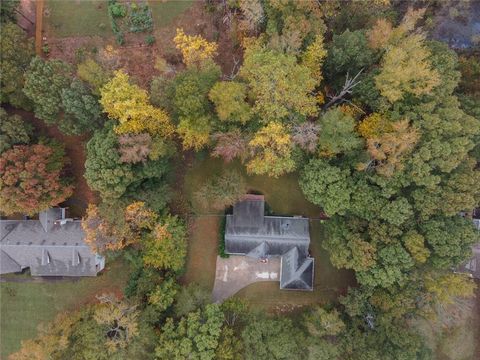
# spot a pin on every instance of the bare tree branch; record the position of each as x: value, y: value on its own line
x: 350, y: 83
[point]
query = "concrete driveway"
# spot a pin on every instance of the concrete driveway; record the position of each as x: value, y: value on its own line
x: 236, y: 272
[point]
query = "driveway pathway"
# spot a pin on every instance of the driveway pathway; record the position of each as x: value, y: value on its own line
x: 236, y: 272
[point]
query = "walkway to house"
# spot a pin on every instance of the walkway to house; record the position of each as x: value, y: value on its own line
x: 236, y: 272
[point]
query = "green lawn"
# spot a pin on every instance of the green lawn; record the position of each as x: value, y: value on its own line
x: 65, y: 18
x: 164, y: 12
x: 24, y: 305
x: 284, y: 196
x: 68, y: 18
x: 202, y: 252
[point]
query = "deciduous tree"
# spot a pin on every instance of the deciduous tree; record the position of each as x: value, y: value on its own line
x: 221, y: 191
x: 134, y: 148
x: 128, y: 104
x: 94, y: 74
x: 337, y: 133
x: 192, y: 108
x: 272, y: 338
x: 196, y: 336
x: 327, y: 186
x: 82, y: 110
x: 44, y: 82
x: 415, y: 244
x: 278, y: 85
x: 406, y: 69
x: 450, y: 240
x: 348, y: 53
x: 31, y: 179
x: 17, y: 51
x: 271, y: 149
x: 447, y: 286
x: 103, y: 169
x: 13, y: 131
x: 320, y: 322
x: 229, y: 99
x: 119, y: 320
x: 313, y: 58
x: 195, y: 49
x: 305, y: 135
x: 166, y: 247
x: 230, y: 145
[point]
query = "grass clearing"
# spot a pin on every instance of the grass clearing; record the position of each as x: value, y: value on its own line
x: 164, y: 12
x: 202, y: 251
x: 70, y: 18
x: 24, y: 305
x: 77, y: 18
x: 284, y: 196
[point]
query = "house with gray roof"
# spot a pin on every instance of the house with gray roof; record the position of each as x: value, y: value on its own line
x: 249, y: 232
x: 53, y: 245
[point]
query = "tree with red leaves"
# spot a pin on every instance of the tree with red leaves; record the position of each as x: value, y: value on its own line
x: 31, y: 179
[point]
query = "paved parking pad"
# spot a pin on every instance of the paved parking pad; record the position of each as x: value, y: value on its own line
x: 236, y: 272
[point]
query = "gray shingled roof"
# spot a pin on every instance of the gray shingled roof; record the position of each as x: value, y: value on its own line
x: 296, y: 271
x: 7, y: 264
x: 248, y: 232
x: 48, y: 246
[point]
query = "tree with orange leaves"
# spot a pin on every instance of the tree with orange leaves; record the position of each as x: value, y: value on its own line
x: 31, y: 179
x: 388, y: 150
x: 102, y: 234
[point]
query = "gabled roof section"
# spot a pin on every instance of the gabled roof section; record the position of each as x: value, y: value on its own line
x: 7, y: 264
x: 48, y: 217
x: 249, y: 212
x: 47, y: 246
x: 296, y: 271
x: 260, y: 251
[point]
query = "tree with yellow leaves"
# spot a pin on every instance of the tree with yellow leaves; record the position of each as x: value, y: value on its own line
x: 278, y: 85
x: 446, y: 287
x: 128, y: 104
x: 374, y: 126
x: 314, y: 56
x: 119, y: 320
x: 195, y: 49
x: 166, y: 246
x: 271, y: 148
x: 383, y: 34
x: 388, y: 150
x: 406, y: 69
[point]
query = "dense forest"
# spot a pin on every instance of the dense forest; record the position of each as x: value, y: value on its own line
x: 380, y: 121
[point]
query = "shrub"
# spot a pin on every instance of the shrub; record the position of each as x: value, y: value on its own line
x: 140, y: 18
x: 221, y: 239
x: 117, y: 10
x: 150, y: 40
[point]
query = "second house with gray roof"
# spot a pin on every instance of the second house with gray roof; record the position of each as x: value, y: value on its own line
x: 53, y: 245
